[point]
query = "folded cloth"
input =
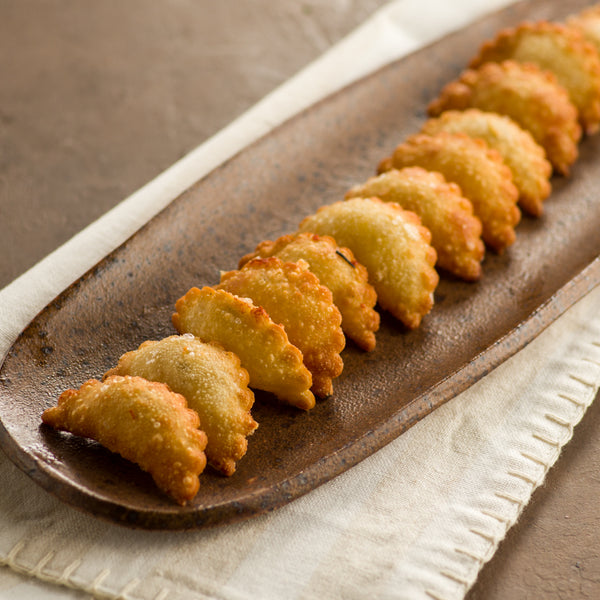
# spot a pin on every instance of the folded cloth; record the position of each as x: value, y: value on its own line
x: 417, y: 519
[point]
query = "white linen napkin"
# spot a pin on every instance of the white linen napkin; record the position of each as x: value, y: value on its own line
x: 416, y: 520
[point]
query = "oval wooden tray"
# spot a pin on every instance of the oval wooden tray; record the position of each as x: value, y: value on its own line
x: 260, y: 194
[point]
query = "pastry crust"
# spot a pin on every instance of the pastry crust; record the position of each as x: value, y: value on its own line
x: 588, y: 23
x: 526, y: 94
x: 520, y: 152
x: 212, y: 381
x: 338, y: 270
x: 273, y: 363
x: 293, y: 297
x: 143, y: 421
x: 479, y: 172
x: 455, y: 230
x: 393, y: 246
x: 557, y: 48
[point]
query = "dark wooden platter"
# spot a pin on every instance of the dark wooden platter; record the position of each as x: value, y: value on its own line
x: 262, y: 193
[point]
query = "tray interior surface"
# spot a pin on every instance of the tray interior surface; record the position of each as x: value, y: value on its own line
x: 260, y: 194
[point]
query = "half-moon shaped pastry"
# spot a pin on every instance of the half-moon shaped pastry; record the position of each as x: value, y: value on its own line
x: 293, y: 297
x: 143, y: 421
x: 338, y: 270
x: 588, y: 22
x: 393, y: 246
x: 479, y: 172
x: 212, y: 381
x: 273, y: 363
x: 529, y: 96
x: 455, y: 231
x: 520, y: 152
x: 557, y: 48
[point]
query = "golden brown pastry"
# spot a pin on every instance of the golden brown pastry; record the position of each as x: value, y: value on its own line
x: 479, y: 172
x: 520, y: 152
x: 557, y: 48
x: 529, y: 96
x: 273, y: 363
x: 293, y: 297
x: 212, y: 381
x: 455, y: 231
x: 143, y: 421
x: 393, y: 246
x: 338, y: 270
x: 588, y: 23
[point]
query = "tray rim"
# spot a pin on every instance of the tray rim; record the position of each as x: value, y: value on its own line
x: 191, y: 518
x: 538, y: 320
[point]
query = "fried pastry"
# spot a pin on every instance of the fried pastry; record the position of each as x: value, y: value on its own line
x: 455, y: 231
x: 293, y: 297
x: 479, y: 172
x: 212, y: 381
x: 529, y: 96
x: 273, y: 363
x: 588, y: 23
x: 338, y: 270
x: 143, y: 421
x: 520, y: 152
x: 557, y: 48
x: 393, y: 246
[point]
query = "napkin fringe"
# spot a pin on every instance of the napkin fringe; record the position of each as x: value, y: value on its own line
x: 580, y: 400
x: 66, y: 577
